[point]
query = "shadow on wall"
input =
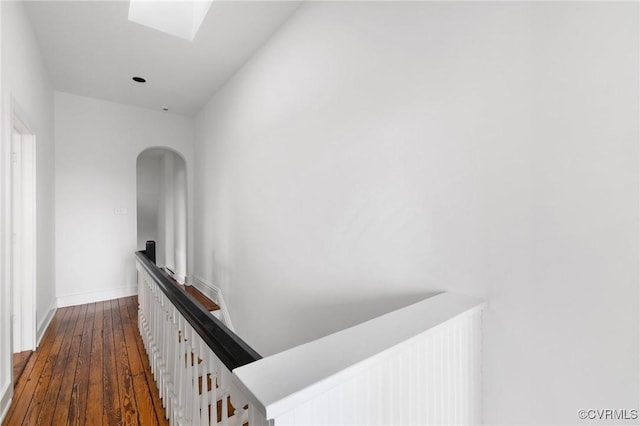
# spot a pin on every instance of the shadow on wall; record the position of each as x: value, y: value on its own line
x: 332, y: 316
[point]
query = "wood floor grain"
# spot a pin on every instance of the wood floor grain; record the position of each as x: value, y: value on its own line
x: 206, y: 303
x: 20, y: 362
x: 90, y: 369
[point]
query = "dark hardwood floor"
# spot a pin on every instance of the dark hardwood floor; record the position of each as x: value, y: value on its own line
x: 90, y: 369
x: 19, y: 362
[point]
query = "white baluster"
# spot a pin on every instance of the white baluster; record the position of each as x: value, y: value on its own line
x: 195, y: 400
x: 193, y: 377
x: 213, y: 395
x: 160, y: 353
x: 173, y: 365
x: 154, y: 327
x: 182, y: 392
x: 224, y: 394
x: 169, y: 347
x: 239, y: 401
x: 183, y: 365
x: 252, y: 417
x: 204, y: 391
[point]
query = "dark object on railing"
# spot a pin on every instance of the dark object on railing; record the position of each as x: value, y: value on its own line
x: 150, y: 251
x: 228, y: 346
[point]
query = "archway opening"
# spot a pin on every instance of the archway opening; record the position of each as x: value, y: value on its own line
x: 162, y: 208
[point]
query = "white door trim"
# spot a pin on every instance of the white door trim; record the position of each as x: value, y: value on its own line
x: 23, y: 232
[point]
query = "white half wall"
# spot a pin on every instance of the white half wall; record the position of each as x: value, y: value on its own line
x: 371, y: 153
x: 97, y: 144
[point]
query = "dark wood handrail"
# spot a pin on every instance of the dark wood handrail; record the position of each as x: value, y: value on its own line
x: 228, y: 346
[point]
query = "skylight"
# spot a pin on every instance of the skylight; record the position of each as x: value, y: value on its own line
x: 178, y: 18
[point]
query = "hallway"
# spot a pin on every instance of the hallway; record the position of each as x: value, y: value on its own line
x: 90, y: 365
x: 342, y: 160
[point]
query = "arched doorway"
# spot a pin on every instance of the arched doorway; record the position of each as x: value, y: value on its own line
x: 162, y: 208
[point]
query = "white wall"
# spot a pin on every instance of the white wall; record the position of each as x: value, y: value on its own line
x: 27, y: 90
x: 374, y: 152
x: 97, y: 144
x: 6, y: 388
x: 27, y: 87
x: 162, y: 207
x: 149, y: 188
x: 167, y: 212
x: 179, y: 217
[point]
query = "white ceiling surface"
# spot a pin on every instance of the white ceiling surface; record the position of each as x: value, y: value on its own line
x: 90, y: 48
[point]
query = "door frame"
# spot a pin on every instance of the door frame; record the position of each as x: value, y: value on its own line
x: 22, y: 236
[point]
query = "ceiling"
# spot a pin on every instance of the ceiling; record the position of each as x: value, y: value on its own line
x: 90, y: 48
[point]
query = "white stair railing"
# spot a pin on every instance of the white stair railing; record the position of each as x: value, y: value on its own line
x: 418, y: 365
x: 195, y: 385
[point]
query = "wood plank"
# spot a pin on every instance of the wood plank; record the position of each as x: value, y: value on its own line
x: 68, y: 372
x: 125, y: 380
x: 207, y: 303
x: 203, y: 299
x: 19, y: 363
x: 91, y: 367
x: 47, y: 378
x: 144, y: 399
x: 34, y: 365
x: 78, y: 402
x: 59, y: 373
x: 112, y: 414
x: 94, y: 405
x: 27, y: 383
x: 130, y: 328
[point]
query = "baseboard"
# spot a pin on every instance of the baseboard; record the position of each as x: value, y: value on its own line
x: 5, y: 400
x: 208, y: 290
x: 44, y: 324
x: 96, y: 296
x: 182, y: 279
x: 215, y: 294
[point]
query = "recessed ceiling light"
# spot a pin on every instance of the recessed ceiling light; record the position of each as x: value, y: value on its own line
x: 139, y: 80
